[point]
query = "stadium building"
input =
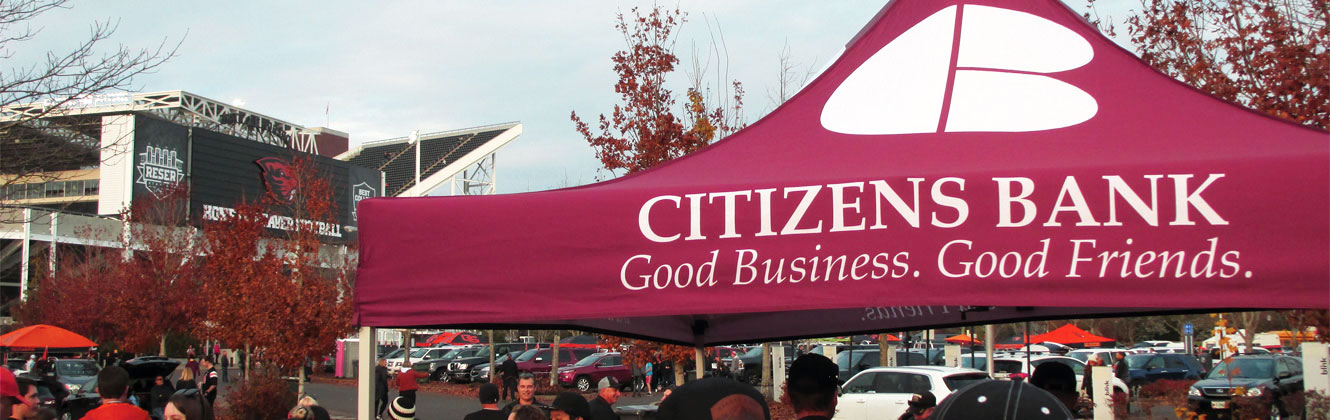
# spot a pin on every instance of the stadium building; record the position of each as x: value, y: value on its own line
x: 68, y: 171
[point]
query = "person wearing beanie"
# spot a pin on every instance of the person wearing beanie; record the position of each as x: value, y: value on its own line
x: 403, y: 408
x: 812, y: 387
x: 602, y: 406
x: 489, y: 404
x: 1001, y: 400
x: 569, y: 406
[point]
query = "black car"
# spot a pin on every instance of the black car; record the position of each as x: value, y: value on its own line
x: 73, y: 373
x: 142, y: 372
x: 752, y: 363
x: 1144, y: 369
x: 438, y: 367
x: 851, y: 363
x: 1268, y: 377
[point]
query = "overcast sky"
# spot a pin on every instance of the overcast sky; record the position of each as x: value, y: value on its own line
x: 382, y: 69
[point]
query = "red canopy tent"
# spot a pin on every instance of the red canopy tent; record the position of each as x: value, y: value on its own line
x: 963, y: 339
x: 1072, y: 336
x: 959, y: 163
x: 43, y: 337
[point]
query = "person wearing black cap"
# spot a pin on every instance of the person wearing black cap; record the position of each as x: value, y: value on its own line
x: 921, y: 406
x: 812, y: 387
x: 601, y: 406
x: 569, y: 406
x: 714, y: 399
x: 1001, y: 400
x: 489, y: 405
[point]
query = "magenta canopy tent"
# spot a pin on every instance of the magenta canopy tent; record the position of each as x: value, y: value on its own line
x: 959, y: 163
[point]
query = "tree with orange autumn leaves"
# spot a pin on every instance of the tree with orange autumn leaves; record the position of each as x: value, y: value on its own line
x: 284, y: 292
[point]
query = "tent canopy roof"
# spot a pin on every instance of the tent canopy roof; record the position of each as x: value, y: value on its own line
x: 959, y: 163
x: 44, y: 337
x: 1069, y: 334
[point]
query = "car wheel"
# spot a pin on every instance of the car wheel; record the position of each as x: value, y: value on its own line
x: 583, y: 383
x: 1277, y: 412
x: 1134, y: 390
x: 437, y: 375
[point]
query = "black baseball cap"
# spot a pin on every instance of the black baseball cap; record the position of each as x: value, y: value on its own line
x: 923, y: 400
x: 573, y: 404
x: 700, y: 399
x: 812, y: 373
x: 1001, y: 400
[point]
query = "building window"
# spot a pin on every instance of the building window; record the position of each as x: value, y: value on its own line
x: 73, y: 188
x: 55, y: 189
x: 90, y: 186
x: 16, y: 192
x: 36, y: 191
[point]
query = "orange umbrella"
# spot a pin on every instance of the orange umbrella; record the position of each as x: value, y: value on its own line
x: 961, y: 339
x: 43, y: 336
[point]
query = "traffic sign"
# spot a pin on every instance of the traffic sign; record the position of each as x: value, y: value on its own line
x: 1187, y: 329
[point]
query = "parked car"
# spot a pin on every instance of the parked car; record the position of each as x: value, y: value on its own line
x: 1016, y: 368
x: 467, y: 369
x: 1085, y: 355
x: 1145, y: 369
x: 418, y: 354
x: 141, y: 371
x: 539, y: 361
x: 1267, y: 376
x: 438, y: 368
x: 882, y: 392
x: 865, y: 359
x: 752, y: 363
x: 73, y: 373
x: 586, y: 373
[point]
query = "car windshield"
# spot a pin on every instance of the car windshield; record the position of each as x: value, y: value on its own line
x: 452, y: 354
x: 395, y: 354
x: 754, y: 352
x: 588, y: 361
x: 75, y: 368
x: 418, y: 353
x: 1083, y: 356
x: 1138, y: 361
x: 980, y: 363
x: 1244, y: 368
x: 530, y: 354
x: 955, y: 382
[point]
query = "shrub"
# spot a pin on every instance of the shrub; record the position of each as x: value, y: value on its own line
x: 264, y: 396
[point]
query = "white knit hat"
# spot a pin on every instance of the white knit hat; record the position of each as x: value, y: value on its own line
x: 403, y: 409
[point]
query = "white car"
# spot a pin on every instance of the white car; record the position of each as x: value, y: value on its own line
x: 883, y: 392
x: 1017, y: 368
x: 418, y: 354
x: 1086, y: 355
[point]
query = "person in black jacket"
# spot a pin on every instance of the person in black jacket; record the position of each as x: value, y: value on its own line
x: 1120, y: 370
x: 380, y: 388
x: 508, y: 370
x: 602, y: 406
x: 160, y: 394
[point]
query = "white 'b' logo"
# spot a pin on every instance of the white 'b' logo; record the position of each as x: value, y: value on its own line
x: 996, y: 81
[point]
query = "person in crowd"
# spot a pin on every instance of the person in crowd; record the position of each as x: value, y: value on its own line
x: 1120, y: 370
x: 407, y: 383
x: 226, y: 365
x: 526, y: 395
x: 188, y: 404
x: 113, y: 386
x: 18, y: 398
x: 403, y: 408
x: 1001, y: 400
x: 210, y: 385
x: 186, y: 380
x: 216, y: 348
x: 1058, y: 379
x: 31, y: 364
x: 714, y: 399
x: 190, y: 353
x: 489, y: 404
x: 160, y: 395
x: 736, y: 364
x: 602, y: 407
x: 508, y: 371
x: 649, y: 370
x: 193, y: 366
x: 569, y: 406
x: 812, y: 387
x: 920, y: 406
x: 527, y: 412
x: 639, y: 379
x: 380, y: 388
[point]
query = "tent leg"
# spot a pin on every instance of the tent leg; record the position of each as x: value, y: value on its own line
x: 699, y: 360
x: 365, y: 374
x: 988, y: 348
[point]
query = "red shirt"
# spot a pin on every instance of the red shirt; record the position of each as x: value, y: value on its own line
x: 117, y: 411
x: 406, y: 381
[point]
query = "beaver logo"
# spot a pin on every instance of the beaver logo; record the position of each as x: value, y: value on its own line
x: 279, y: 178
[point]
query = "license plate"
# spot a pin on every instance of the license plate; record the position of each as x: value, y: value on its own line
x: 1219, y: 404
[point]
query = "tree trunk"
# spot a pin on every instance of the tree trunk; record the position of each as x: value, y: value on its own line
x: 406, y: 355
x: 766, y: 370
x: 678, y: 373
x: 248, y: 351
x: 300, y: 387
x: 493, y: 369
x: 161, y: 351
x: 554, y: 362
